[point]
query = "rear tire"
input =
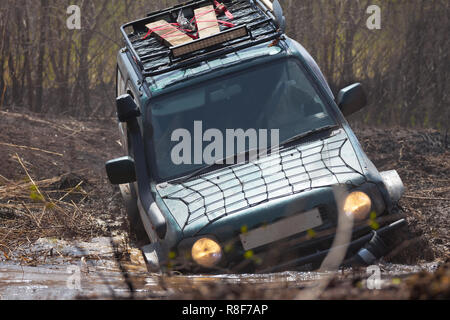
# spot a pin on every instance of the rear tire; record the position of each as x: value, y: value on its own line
x: 137, y: 229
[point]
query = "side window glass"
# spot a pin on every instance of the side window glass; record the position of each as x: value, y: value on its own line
x: 302, y: 91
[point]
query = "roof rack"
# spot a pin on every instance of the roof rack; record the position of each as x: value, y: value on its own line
x: 253, y: 23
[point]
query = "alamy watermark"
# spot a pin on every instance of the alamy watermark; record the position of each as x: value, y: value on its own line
x: 73, y: 22
x: 189, y: 149
x: 374, y: 20
x: 74, y: 280
x: 374, y: 280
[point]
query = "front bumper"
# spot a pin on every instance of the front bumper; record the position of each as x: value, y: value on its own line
x: 365, y: 248
x: 304, y: 252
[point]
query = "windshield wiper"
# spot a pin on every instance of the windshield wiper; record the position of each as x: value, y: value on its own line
x: 197, y: 173
x: 302, y: 136
x: 218, y: 164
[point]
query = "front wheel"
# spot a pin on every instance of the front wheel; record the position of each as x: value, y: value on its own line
x: 137, y: 229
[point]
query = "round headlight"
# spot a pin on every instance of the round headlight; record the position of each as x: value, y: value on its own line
x: 358, y: 205
x: 206, y: 252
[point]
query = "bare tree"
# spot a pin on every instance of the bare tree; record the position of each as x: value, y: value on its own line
x: 46, y: 67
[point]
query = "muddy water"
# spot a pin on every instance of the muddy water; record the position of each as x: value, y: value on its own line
x: 56, y: 282
x: 88, y: 270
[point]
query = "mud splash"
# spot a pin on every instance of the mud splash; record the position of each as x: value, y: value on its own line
x: 89, y: 270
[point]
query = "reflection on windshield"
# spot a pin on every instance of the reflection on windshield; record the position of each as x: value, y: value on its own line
x: 278, y: 96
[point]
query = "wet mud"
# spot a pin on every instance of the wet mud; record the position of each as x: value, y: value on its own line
x: 64, y: 232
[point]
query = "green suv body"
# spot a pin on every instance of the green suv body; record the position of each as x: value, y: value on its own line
x: 270, y: 209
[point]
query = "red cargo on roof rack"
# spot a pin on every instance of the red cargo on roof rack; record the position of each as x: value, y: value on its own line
x: 243, y: 23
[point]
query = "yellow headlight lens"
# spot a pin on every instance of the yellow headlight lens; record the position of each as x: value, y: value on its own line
x: 206, y: 252
x: 358, y: 205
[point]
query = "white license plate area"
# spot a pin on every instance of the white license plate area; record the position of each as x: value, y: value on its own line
x: 281, y: 230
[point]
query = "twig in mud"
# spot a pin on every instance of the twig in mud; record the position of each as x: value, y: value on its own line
x: 5, y: 179
x: 14, y: 206
x: 29, y: 118
x: 70, y: 191
x: 7, y: 234
x: 15, y: 189
x: 120, y: 249
x: 76, y: 211
x: 123, y: 271
x: 4, y: 253
x: 31, y: 214
x: 29, y: 177
x: 427, y: 198
x: 42, y: 214
x: 59, y: 208
x: 73, y: 130
x: 73, y: 134
x: 30, y: 148
x: 437, y: 189
x: 435, y: 180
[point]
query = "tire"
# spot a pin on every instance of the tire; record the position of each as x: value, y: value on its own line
x: 137, y: 229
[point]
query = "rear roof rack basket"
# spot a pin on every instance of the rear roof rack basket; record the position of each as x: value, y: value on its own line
x: 253, y: 24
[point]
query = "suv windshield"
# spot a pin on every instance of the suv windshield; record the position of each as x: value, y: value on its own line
x: 278, y: 99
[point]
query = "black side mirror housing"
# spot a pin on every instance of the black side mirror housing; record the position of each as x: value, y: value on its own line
x: 352, y: 99
x: 127, y: 109
x: 121, y: 171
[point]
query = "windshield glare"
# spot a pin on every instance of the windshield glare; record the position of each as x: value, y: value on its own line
x: 277, y: 97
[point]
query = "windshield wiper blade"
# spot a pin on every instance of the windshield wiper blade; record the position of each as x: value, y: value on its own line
x: 197, y: 173
x: 301, y: 136
x: 219, y: 164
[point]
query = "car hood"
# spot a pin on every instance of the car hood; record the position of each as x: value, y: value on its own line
x: 204, y: 201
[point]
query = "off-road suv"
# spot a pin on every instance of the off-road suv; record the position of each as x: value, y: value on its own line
x: 194, y: 74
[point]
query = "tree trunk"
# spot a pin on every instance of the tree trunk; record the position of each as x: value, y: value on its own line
x: 41, y: 55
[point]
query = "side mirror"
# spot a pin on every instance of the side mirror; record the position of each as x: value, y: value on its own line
x: 352, y: 99
x: 121, y: 171
x: 127, y: 109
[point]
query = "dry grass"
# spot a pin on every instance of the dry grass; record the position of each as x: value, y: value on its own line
x: 30, y: 210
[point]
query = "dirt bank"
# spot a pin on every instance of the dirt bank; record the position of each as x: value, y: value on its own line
x: 53, y: 182
x: 422, y: 158
x: 53, y: 185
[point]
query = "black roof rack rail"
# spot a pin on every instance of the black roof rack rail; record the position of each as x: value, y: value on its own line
x: 154, y: 58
